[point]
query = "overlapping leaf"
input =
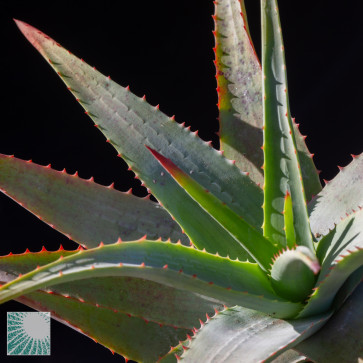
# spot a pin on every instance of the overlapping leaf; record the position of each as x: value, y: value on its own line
x: 83, y: 210
x: 261, y: 249
x: 240, y: 97
x: 225, y: 281
x: 129, y: 122
x: 341, y: 196
x: 241, y: 335
x: 340, y: 253
x: 281, y: 162
x: 122, y: 313
x: 341, y: 340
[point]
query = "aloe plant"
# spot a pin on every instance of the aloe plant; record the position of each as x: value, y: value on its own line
x: 238, y: 260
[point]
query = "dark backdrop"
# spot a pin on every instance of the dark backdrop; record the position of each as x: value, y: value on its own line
x: 162, y: 49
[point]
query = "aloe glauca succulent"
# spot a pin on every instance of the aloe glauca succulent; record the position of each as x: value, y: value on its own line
x: 238, y: 261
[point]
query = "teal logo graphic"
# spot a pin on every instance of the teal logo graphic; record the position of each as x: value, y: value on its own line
x: 28, y: 333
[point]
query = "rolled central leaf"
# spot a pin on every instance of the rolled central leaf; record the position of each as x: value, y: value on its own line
x: 294, y: 273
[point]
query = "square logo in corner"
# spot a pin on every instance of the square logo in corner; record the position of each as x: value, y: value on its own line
x: 28, y: 333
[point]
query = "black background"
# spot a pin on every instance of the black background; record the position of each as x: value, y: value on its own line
x: 162, y: 49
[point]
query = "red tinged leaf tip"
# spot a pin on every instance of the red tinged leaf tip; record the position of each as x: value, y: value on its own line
x: 165, y: 162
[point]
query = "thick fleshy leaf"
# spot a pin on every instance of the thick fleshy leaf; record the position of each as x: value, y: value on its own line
x: 131, y: 336
x: 294, y: 273
x: 261, y: 249
x: 340, y: 253
x: 341, y: 339
x: 289, y: 222
x: 240, y: 97
x: 133, y: 302
x: 138, y: 297
x: 239, y: 89
x: 129, y: 122
x: 341, y: 196
x: 81, y: 209
x: 281, y: 165
x: 242, y: 335
x: 219, y: 278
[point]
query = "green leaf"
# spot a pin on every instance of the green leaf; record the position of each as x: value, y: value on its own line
x: 340, y: 253
x: 240, y: 97
x: 341, y: 339
x: 122, y: 313
x: 341, y: 196
x: 139, y: 297
x: 242, y: 335
x: 289, y: 222
x: 239, y: 89
x: 294, y: 272
x: 86, y: 212
x: 128, y: 122
x: 261, y: 249
x: 219, y: 278
x: 281, y: 166
x: 131, y: 336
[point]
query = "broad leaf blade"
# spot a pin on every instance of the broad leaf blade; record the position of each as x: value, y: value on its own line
x: 261, y: 249
x: 81, y: 209
x: 281, y: 166
x: 341, y: 196
x: 128, y: 122
x: 340, y: 253
x: 241, y: 335
x: 225, y: 281
x: 341, y: 339
x: 131, y: 336
x: 121, y: 313
x: 240, y: 97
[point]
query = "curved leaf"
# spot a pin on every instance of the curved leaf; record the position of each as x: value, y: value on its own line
x: 241, y: 335
x: 341, y: 196
x: 131, y: 336
x: 81, y: 209
x: 341, y: 253
x: 129, y: 122
x: 221, y: 279
x: 281, y: 165
x: 341, y: 339
x: 122, y: 313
